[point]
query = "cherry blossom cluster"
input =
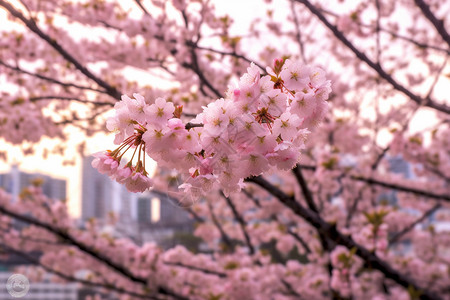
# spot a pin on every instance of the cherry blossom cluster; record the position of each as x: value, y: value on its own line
x: 262, y: 123
x: 341, y: 260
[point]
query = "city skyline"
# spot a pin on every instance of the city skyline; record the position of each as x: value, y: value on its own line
x: 16, y: 180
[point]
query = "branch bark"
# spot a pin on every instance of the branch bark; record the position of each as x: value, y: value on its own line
x: 34, y: 261
x: 112, y: 91
x: 49, y: 79
x: 331, y: 232
x: 65, y: 236
x: 241, y: 222
x: 375, y: 66
x: 438, y: 24
x: 411, y: 226
x: 393, y: 186
x: 397, y: 187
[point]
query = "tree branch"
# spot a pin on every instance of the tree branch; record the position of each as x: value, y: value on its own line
x: 393, y: 34
x: 396, y: 237
x: 241, y: 221
x: 32, y: 99
x: 108, y: 286
x: 88, y: 250
x: 225, y: 238
x: 138, y: 2
x: 304, y: 187
x: 375, y: 66
x: 331, y: 232
x: 275, y: 218
x: 393, y: 186
x: 233, y: 54
x: 298, y: 35
x: 194, y: 268
x: 112, y: 91
x: 402, y: 188
x: 176, y: 202
x: 49, y: 79
x: 438, y: 24
x: 326, y: 244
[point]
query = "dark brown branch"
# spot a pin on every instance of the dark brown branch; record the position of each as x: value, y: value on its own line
x: 290, y: 289
x: 112, y: 91
x: 225, y: 238
x: 194, y: 66
x: 307, y: 167
x: 397, y: 187
x: 393, y: 34
x: 437, y: 172
x: 49, y: 79
x: 379, y: 158
x: 420, y: 45
x: 396, y: 237
x: 275, y: 218
x: 438, y: 24
x: 177, y: 202
x: 353, y: 208
x: 304, y: 187
x: 241, y: 221
x: 436, y: 77
x: 233, y: 54
x: 331, y: 232
x: 196, y: 69
x: 65, y: 236
x: 192, y: 125
x: 327, y: 245
x: 138, y: 2
x: 223, y: 275
x: 375, y: 66
x: 194, y: 268
x: 299, y: 239
x: 298, y: 35
x: 107, y: 286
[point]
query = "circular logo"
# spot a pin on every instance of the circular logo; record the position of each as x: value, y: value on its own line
x: 18, y: 285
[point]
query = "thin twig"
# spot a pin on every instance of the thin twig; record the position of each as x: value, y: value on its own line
x: 107, y: 286
x: 49, y: 79
x: 241, y: 221
x: 112, y: 91
x: 334, y: 234
x: 33, y: 99
x: 396, y: 237
x: 298, y: 34
x: 225, y: 238
x: 65, y: 236
x: 438, y: 24
x: 194, y: 268
x: 375, y: 66
x: 397, y: 187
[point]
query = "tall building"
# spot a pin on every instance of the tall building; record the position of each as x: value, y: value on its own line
x: 156, y: 208
x: 159, y: 219
x: 148, y: 216
x: 400, y: 166
x: 101, y: 195
x: 15, y: 181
